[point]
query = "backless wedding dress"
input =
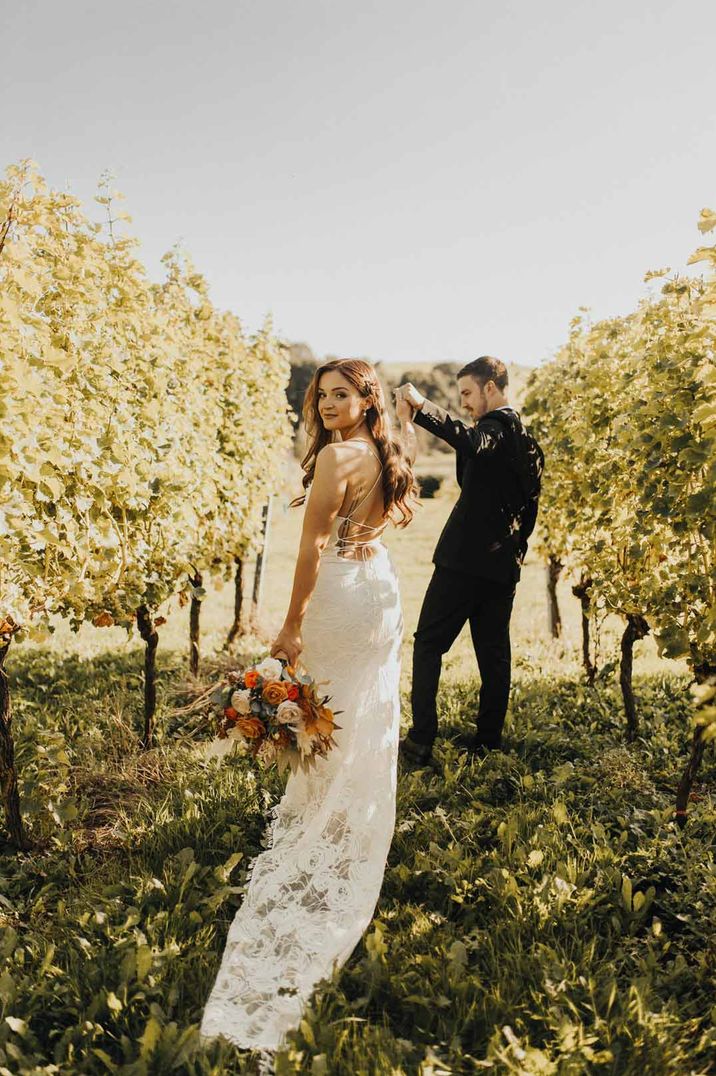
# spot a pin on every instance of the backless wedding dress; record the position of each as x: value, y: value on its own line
x: 312, y: 893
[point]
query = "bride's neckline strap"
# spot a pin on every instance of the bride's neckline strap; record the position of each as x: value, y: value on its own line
x: 361, y: 441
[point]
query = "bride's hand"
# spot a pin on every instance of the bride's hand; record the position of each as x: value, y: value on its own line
x: 289, y: 643
x: 410, y: 394
x: 403, y: 410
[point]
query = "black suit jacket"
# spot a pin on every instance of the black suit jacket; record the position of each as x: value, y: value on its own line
x: 487, y: 531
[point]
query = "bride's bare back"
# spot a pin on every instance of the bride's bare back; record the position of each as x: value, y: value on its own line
x: 361, y: 518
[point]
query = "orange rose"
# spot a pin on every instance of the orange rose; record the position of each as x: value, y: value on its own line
x: 292, y: 692
x: 251, y: 727
x: 251, y: 678
x: 274, y: 692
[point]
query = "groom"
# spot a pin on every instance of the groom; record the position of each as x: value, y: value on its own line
x: 480, y: 551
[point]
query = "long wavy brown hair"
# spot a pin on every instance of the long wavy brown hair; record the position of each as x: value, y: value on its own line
x: 400, y: 489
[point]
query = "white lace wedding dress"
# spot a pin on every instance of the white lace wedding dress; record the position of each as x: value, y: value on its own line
x: 312, y: 893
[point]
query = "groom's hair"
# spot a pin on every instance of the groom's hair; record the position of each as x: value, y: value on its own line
x: 486, y: 369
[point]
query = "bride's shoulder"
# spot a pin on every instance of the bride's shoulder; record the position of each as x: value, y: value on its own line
x: 333, y: 461
x: 338, y: 454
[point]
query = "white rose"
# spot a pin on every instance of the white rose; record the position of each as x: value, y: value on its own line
x: 241, y: 701
x: 270, y: 669
x: 289, y: 713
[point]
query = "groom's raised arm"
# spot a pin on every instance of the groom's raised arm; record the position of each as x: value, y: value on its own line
x: 466, y: 439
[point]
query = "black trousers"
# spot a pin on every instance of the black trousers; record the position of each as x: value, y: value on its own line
x: 451, y: 599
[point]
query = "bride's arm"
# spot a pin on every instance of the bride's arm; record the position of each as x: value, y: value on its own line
x: 326, y: 497
x: 405, y: 414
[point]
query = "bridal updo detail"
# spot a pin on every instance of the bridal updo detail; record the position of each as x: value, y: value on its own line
x: 400, y: 489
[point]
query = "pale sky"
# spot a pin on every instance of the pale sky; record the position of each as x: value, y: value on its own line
x: 409, y: 180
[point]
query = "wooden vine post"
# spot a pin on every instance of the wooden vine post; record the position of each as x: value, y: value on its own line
x: 581, y: 590
x: 554, y: 570
x: 636, y: 628
x: 705, y: 675
x: 197, y: 594
x: 260, y: 561
x: 235, y: 628
x: 8, y: 773
x: 148, y: 631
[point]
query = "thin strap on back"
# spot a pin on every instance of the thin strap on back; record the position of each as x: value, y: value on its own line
x: 364, y: 499
x: 368, y: 535
x: 365, y: 527
x: 368, y: 445
x: 359, y: 440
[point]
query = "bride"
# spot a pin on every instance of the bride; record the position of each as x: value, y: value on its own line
x: 312, y: 893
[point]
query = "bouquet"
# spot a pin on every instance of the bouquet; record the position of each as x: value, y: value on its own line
x: 275, y: 714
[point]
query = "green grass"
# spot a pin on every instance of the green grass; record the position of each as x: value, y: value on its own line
x: 541, y: 913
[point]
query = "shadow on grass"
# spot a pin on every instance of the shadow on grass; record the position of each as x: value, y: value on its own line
x: 555, y: 719
x: 160, y: 875
x: 43, y: 675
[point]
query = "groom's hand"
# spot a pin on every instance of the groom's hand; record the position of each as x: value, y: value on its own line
x: 410, y: 394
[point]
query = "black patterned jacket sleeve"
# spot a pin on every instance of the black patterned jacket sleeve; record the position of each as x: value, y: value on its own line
x: 470, y: 441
